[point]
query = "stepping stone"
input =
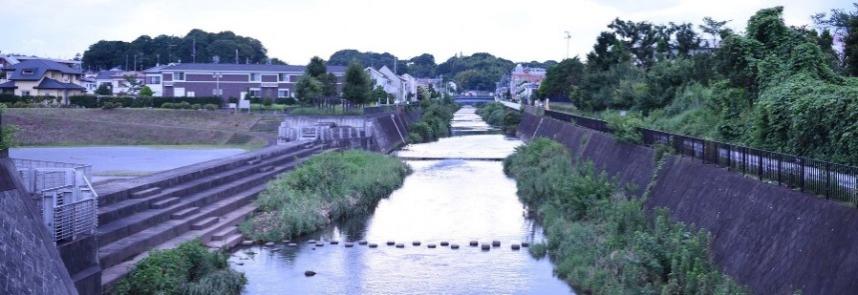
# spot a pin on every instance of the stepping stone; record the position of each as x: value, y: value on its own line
x: 349, y: 245
x: 309, y: 273
x: 431, y: 246
x: 390, y: 243
x: 363, y: 242
x: 311, y: 242
x: 373, y: 245
x: 496, y: 243
x: 400, y: 245
x: 515, y: 247
x: 292, y: 245
x: 525, y: 244
x: 247, y: 243
x: 415, y: 243
x: 445, y: 244
x: 485, y: 247
x: 335, y: 242
x: 269, y: 244
x: 474, y: 243
x: 454, y: 246
x: 319, y: 244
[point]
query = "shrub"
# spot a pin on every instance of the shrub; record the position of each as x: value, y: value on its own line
x: 325, y: 188
x: 196, y: 106
x: 187, y: 269
x: 109, y: 106
x: 210, y: 107
x: 267, y: 101
x: 85, y: 101
x: 168, y: 105
x: 625, y: 127
x: 500, y: 116
x: 7, y: 132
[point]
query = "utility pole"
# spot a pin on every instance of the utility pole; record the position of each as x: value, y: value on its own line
x: 236, y: 56
x: 568, y: 37
x: 194, y: 50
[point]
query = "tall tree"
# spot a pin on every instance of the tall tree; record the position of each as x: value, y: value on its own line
x: 561, y: 80
x: 358, y: 86
x: 316, y: 68
x: 713, y: 28
x: 309, y: 90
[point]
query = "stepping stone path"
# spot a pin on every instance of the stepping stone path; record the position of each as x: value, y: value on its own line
x: 474, y: 243
x: 495, y: 243
x: 431, y: 246
x: 400, y: 245
x: 454, y: 246
x: 515, y: 247
x: 444, y: 244
x: 309, y: 273
x: 415, y: 243
x: 373, y: 245
x: 485, y: 247
x: 363, y: 242
x: 390, y: 243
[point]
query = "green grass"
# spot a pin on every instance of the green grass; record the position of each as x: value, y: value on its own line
x: 500, y: 116
x: 324, y: 189
x: 187, y: 269
x: 603, y: 242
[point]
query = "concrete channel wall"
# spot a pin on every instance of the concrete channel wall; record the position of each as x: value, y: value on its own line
x: 29, y: 261
x: 769, y: 238
x: 382, y: 132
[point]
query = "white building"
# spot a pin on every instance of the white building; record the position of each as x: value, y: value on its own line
x: 523, y: 81
x: 117, y: 80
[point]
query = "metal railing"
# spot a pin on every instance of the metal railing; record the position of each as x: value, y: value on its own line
x: 833, y: 181
x: 67, y: 201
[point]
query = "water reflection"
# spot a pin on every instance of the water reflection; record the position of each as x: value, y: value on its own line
x: 443, y: 200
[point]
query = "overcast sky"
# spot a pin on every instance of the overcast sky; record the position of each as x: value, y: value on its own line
x: 295, y: 30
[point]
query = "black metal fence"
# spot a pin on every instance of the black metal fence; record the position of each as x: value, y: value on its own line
x: 833, y: 181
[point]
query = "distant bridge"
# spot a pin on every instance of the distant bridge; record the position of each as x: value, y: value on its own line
x: 474, y: 100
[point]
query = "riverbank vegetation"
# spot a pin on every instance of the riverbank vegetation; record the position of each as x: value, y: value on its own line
x: 189, y: 269
x: 7, y: 132
x: 324, y: 189
x: 500, y: 116
x: 434, y: 123
x: 601, y: 240
x: 773, y: 86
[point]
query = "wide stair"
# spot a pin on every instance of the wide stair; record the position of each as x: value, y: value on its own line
x: 208, y: 205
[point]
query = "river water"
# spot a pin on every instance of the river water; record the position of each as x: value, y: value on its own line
x: 448, y: 199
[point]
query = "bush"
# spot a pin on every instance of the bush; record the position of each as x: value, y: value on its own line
x: 109, y: 106
x: 500, y: 116
x: 435, y: 120
x: 157, y: 101
x: 196, y: 106
x: 168, y: 105
x: 325, y: 188
x: 84, y: 101
x: 625, y: 127
x: 7, y: 132
x: 210, y: 107
x: 601, y: 241
x: 187, y: 269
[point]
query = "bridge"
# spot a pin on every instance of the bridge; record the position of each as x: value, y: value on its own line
x: 473, y: 100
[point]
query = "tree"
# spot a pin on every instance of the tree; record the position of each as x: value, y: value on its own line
x: 316, y: 68
x: 358, y: 85
x: 713, y: 28
x: 132, y: 84
x: 560, y: 80
x: 104, y: 89
x: 146, y: 91
x: 309, y: 90
x: 329, y: 84
x: 379, y: 95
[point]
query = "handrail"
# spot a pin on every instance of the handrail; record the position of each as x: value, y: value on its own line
x: 834, y: 181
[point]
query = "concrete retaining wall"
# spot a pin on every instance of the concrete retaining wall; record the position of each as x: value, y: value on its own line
x: 387, y: 131
x: 29, y: 260
x: 769, y: 238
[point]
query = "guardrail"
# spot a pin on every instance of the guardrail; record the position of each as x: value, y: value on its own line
x: 68, y: 203
x: 833, y: 181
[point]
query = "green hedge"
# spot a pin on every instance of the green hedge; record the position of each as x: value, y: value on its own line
x: 92, y: 101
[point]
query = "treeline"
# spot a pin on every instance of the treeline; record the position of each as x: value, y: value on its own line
x: 479, y: 71
x: 775, y: 86
x: 198, y: 45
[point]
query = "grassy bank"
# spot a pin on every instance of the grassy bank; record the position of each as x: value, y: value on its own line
x: 601, y: 241
x: 326, y: 188
x: 189, y: 269
x: 56, y: 126
x: 500, y: 116
x: 435, y: 120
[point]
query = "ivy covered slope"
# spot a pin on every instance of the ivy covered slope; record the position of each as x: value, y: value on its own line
x: 189, y: 269
x: 500, y: 116
x: 326, y: 188
x: 600, y: 240
x: 774, y: 86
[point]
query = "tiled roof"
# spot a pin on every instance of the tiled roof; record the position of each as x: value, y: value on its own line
x: 8, y: 85
x: 34, y: 69
x: 48, y: 83
x: 244, y: 67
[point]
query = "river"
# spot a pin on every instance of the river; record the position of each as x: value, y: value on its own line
x: 447, y: 199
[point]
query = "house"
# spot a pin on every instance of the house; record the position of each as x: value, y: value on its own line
x: 409, y: 84
x: 117, y: 80
x: 430, y: 83
x: 523, y: 80
x: 229, y: 80
x: 42, y: 77
x: 402, y: 88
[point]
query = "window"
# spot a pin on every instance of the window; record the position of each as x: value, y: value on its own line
x: 255, y: 93
x: 154, y: 80
x: 179, y: 76
x: 28, y: 72
x: 282, y: 77
x: 25, y: 93
x: 217, y: 91
x: 282, y: 93
x: 255, y: 77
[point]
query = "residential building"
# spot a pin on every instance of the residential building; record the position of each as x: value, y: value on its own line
x: 42, y: 77
x: 433, y: 83
x: 390, y: 82
x: 523, y: 80
x: 229, y: 80
x: 117, y: 80
x: 409, y: 85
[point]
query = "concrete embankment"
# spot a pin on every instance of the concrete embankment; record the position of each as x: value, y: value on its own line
x: 769, y: 238
x: 381, y: 132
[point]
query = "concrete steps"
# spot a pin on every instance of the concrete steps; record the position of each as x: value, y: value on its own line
x: 226, y: 243
x: 221, y: 235
x: 119, y: 210
x: 185, y: 213
x: 164, y: 203
x: 146, y: 192
x: 204, y: 223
